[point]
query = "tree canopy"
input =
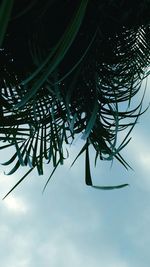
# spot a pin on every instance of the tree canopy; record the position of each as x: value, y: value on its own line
x: 66, y: 69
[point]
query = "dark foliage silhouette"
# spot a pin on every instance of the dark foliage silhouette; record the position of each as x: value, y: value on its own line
x: 66, y: 68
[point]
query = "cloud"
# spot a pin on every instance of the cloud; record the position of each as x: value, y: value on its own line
x: 72, y: 225
x: 63, y: 251
x: 15, y: 205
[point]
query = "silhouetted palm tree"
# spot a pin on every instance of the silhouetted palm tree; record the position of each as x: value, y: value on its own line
x: 66, y: 68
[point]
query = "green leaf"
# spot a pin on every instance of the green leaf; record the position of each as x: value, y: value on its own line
x: 14, y: 169
x: 79, y: 61
x: 83, y: 149
x: 18, y: 182
x: 51, y: 175
x: 5, y: 146
x: 91, y: 122
x: 110, y: 187
x: 88, y: 179
x: 20, y: 156
x: 59, y: 52
x: 5, y: 11
x: 25, y: 10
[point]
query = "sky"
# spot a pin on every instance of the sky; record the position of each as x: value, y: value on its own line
x: 74, y: 225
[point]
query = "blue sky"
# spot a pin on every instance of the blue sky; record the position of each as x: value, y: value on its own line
x: 75, y: 225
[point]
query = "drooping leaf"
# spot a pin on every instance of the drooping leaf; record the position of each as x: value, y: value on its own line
x: 5, y: 11
x: 88, y: 179
x: 18, y: 182
x: 110, y: 187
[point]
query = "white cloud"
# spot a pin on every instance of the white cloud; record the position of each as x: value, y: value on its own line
x: 73, y: 225
x: 22, y: 263
x: 144, y: 159
x: 138, y: 156
x: 62, y: 251
x: 4, y: 231
x: 15, y: 204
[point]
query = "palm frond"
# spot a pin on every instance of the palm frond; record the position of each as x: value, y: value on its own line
x: 77, y: 84
x: 5, y: 11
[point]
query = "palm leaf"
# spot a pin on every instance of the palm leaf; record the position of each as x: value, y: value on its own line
x: 74, y: 86
x: 5, y: 11
x: 59, y: 52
